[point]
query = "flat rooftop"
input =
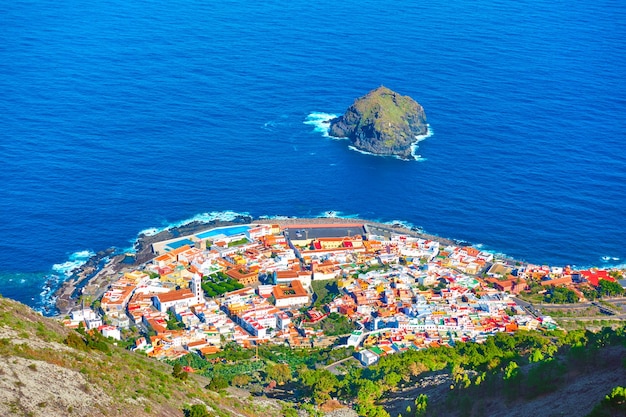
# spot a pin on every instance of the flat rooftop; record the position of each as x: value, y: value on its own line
x: 303, y: 231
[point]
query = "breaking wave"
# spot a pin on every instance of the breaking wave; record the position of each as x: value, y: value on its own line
x: 320, y: 122
x: 75, y: 261
x: 225, y: 216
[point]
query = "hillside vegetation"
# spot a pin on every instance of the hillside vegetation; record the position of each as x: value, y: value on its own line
x: 48, y: 370
x: 382, y: 122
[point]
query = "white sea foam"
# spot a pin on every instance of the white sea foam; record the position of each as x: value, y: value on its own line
x: 225, y: 216
x: 414, y: 147
x: 353, y: 148
x: 275, y: 217
x: 402, y: 223
x: 418, y: 139
x: 320, y: 122
x: 150, y: 232
x: 337, y: 215
x: 75, y: 261
x: 607, y: 259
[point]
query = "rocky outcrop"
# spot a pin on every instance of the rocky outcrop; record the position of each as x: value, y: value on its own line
x: 382, y: 122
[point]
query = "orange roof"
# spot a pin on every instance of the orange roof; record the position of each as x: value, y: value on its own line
x: 181, y: 294
x: 209, y: 350
x: 295, y: 289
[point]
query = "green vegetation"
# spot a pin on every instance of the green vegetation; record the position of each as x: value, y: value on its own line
x: 560, y: 295
x: 179, y: 373
x: 279, y: 373
x: 173, y: 323
x: 421, y: 402
x: 335, y: 324
x: 85, y: 341
x: 196, y: 410
x: 325, y: 291
x: 218, y: 284
x: 609, y: 288
x: 217, y: 383
x: 238, y: 242
x: 116, y: 382
x: 523, y: 365
x: 614, y: 404
x: 383, y: 108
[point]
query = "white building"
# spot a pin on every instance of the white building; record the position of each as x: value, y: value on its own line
x: 367, y: 357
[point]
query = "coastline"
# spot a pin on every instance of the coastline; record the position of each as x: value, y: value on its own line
x: 93, y: 278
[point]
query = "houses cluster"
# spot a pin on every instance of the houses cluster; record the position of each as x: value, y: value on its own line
x: 402, y: 292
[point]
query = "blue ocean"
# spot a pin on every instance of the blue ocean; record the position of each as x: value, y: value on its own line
x: 123, y: 116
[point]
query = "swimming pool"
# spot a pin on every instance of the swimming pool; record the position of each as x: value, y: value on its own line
x: 227, y: 231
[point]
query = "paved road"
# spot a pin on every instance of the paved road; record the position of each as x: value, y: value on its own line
x: 333, y: 366
x: 527, y: 307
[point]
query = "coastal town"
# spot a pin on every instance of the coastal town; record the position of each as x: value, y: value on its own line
x: 376, y: 288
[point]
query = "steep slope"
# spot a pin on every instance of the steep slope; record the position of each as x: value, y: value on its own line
x: 382, y: 122
x: 40, y: 375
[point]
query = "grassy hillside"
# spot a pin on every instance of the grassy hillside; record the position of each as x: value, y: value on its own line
x: 48, y: 370
x: 41, y: 375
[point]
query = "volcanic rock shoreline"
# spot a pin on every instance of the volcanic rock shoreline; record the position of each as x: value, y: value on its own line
x: 93, y: 278
x: 382, y: 122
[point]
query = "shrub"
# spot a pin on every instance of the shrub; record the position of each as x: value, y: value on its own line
x: 196, y: 410
x: 217, y: 383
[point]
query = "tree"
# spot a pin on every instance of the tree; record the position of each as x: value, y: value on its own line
x: 240, y: 380
x: 609, y: 288
x: 536, y: 356
x: 74, y: 340
x: 320, y: 383
x: 178, y: 372
x: 197, y: 410
x: 217, y: 383
x: 279, y: 373
x: 616, y: 400
x: 173, y: 323
x: 560, y: 295
x: 421, y: 402
x: 392, y: 379
x: 367, y: 391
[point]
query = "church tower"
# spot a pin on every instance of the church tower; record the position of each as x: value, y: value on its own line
x: 196, y: 288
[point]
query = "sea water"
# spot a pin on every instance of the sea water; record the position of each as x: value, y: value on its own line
x: 123, y: 116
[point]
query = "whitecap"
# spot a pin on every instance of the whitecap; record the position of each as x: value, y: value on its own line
x: 401, y: 223
x: 149, y: 232
x: 225, y: 216
x: 609, y: 258
x: 321, y: 122
x: 353, y: 148
x: 418, y: 139
x: 275, y: 217
x: 337, y: 215
x: 75, y: 261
